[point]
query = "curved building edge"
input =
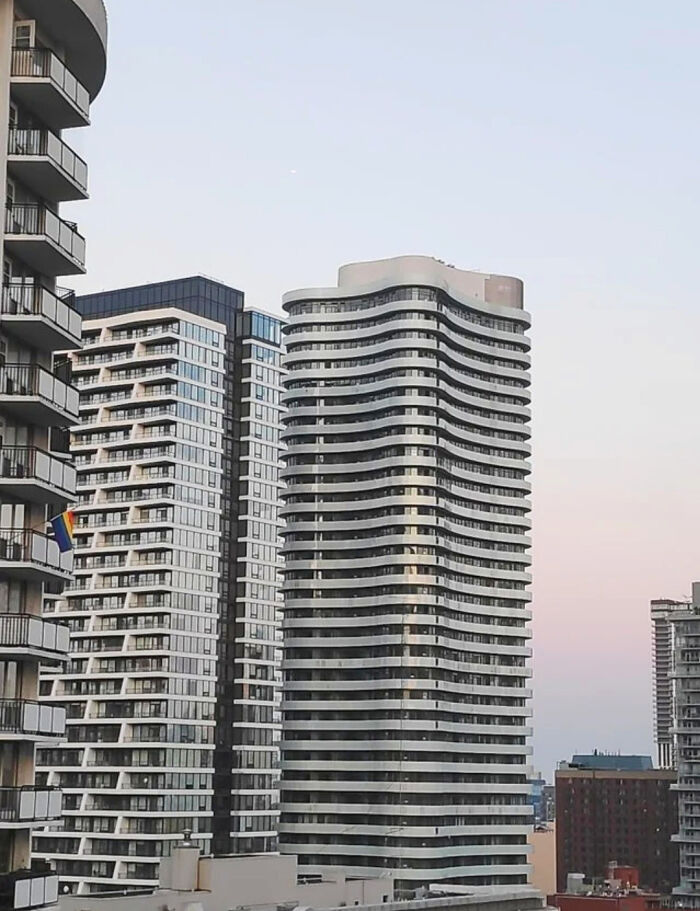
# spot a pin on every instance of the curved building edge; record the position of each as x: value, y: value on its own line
x: 81, y: 27
x: 497, y: 294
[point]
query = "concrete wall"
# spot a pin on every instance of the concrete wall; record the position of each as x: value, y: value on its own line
x: 353, y: 891
x: 263, y: 881
x: 199, y: 901
x: 258, y: 879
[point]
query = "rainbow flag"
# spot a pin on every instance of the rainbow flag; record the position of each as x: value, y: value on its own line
x: 63, y: 530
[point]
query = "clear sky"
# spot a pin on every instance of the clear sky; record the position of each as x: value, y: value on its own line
x: 264, y: 142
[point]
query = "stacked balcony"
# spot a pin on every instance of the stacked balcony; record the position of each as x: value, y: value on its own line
x: 24, y: 890
x: 33, y: 556
x: 31, y: 474
x: 20, y: 807
x: 43, y: 240
x: 39, y: 317
x: 31, y: 394
x: 42, y: 161
x: 45, y: 85
x: 30, y: 638
x: 50, y: 89
x: 24, y: 719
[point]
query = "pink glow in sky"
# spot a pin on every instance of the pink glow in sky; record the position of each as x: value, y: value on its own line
x: 265, y: 142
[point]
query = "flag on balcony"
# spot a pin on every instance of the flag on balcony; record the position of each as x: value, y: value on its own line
x: 63, y: 530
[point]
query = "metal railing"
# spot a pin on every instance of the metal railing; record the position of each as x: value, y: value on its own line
x: 27, y: 546
x: 20, y: 299
x: 37, y: 220
x: 24, y: 630
x: 42, y: 63
x: 33, y: 380
x: 30, y: 462
x: 35, y: 143
x: 25, y: 889
x: 22, y: 716
x: 29, y: 803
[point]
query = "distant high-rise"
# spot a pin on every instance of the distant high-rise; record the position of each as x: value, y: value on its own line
x: 686, y: 737
x: 662, y: 611
x: 53, y: 61
x: 173, y: 685
x: 406, y: 699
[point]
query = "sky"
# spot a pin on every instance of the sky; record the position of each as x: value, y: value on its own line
x: 265, y: 142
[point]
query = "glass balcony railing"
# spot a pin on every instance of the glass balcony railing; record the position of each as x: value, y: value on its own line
x: 20, y: 299
x: 31, y: 380
x: 32, y: 548
x: 21, y: 716
x: 36, y: 220
x: 44, y: 143
x: 29, y: 804
x: 42, y: 63
x: 26, y: 889
x: 24, y: 631
x: 29, y: 463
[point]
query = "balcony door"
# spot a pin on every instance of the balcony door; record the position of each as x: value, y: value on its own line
x: 25, y: 34
x: 16, y: 296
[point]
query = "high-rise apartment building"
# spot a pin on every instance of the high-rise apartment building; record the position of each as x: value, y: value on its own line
x: 406, y: 700
x: 616, y: 808
x: 686, y: 742
x: 52, y: 65
x: 172, y: 692
x: 662, y: 612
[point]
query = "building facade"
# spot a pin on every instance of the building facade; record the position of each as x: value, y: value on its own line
x: 620, y: 809
x: 52, y: 65
x: 172, y: 692
x: 662, y: 612
x: 406, y: 700
x: 686, y: 741
x: 543, y: 858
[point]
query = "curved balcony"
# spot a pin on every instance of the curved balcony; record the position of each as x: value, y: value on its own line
x: 80, y: 28
x: 31, y: 555
x: 32, y: 395
x: 46, y: 86
x: 39, y: 317
x: 31, y: 474
x: 45, y: 164
x: 25, y: 636
x: 20, y: 807
x: 27, y: 889
x: 21, y: 719
x: 43, y: 240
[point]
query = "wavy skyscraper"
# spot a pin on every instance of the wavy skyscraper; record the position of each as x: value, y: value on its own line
x: 406, y: 699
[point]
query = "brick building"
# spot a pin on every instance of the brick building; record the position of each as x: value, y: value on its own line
x: 618, y: 810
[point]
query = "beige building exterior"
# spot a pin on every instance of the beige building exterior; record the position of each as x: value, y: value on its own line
x: 190, y: 882
x: 543, y: 841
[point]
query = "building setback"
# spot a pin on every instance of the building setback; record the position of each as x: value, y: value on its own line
x: 620, y: 810
x: 172, y: 692
x: 405, y: 633
x: 52, y: 60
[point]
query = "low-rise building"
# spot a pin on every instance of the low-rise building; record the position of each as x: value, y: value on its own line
x: 191, y: 882
x: 616, y: 808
